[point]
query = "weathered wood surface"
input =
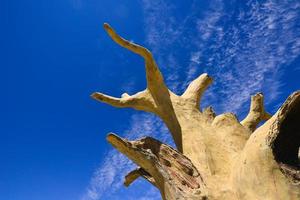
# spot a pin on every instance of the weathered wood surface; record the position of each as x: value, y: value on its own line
x: 217, y: 157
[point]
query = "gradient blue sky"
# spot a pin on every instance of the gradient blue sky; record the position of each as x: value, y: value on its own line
x: 54, y: 54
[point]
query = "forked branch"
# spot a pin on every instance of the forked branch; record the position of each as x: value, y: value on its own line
x: 156, y: 93
x: 256, y: 113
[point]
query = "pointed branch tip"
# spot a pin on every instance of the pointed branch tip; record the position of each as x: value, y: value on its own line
x: 138, y: 101
x: 106, y: 26
x: 114, y: 139
x: 117, y: 102
x: 155, y: 81
x: 142, y: 51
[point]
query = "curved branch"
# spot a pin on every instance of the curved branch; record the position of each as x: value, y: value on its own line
x: 139, y: 101
x: 155, y: 81
x: 142, y: 51
x: 196, y: 89
x: 256, y: 113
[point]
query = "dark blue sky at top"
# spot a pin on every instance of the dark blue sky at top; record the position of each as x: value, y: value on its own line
x: 54, y: 54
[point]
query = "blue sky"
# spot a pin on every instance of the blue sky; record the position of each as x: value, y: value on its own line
x: 54, y: 54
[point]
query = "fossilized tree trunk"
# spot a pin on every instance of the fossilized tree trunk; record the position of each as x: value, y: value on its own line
x: 217, y: 157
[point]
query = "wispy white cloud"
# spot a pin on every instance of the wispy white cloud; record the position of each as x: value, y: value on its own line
x: 107, y: 175
x: 160, y: 23
x: 254, y: 50
x: 195, y: 57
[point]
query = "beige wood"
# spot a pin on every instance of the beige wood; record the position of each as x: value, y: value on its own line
x: 217, y: 157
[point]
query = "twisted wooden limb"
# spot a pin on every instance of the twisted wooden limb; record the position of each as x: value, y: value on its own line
x: 155, y: 81
x: 136, y: 173
x: 256, y: 113
x: 173, y: 173
x: 196, y: 89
